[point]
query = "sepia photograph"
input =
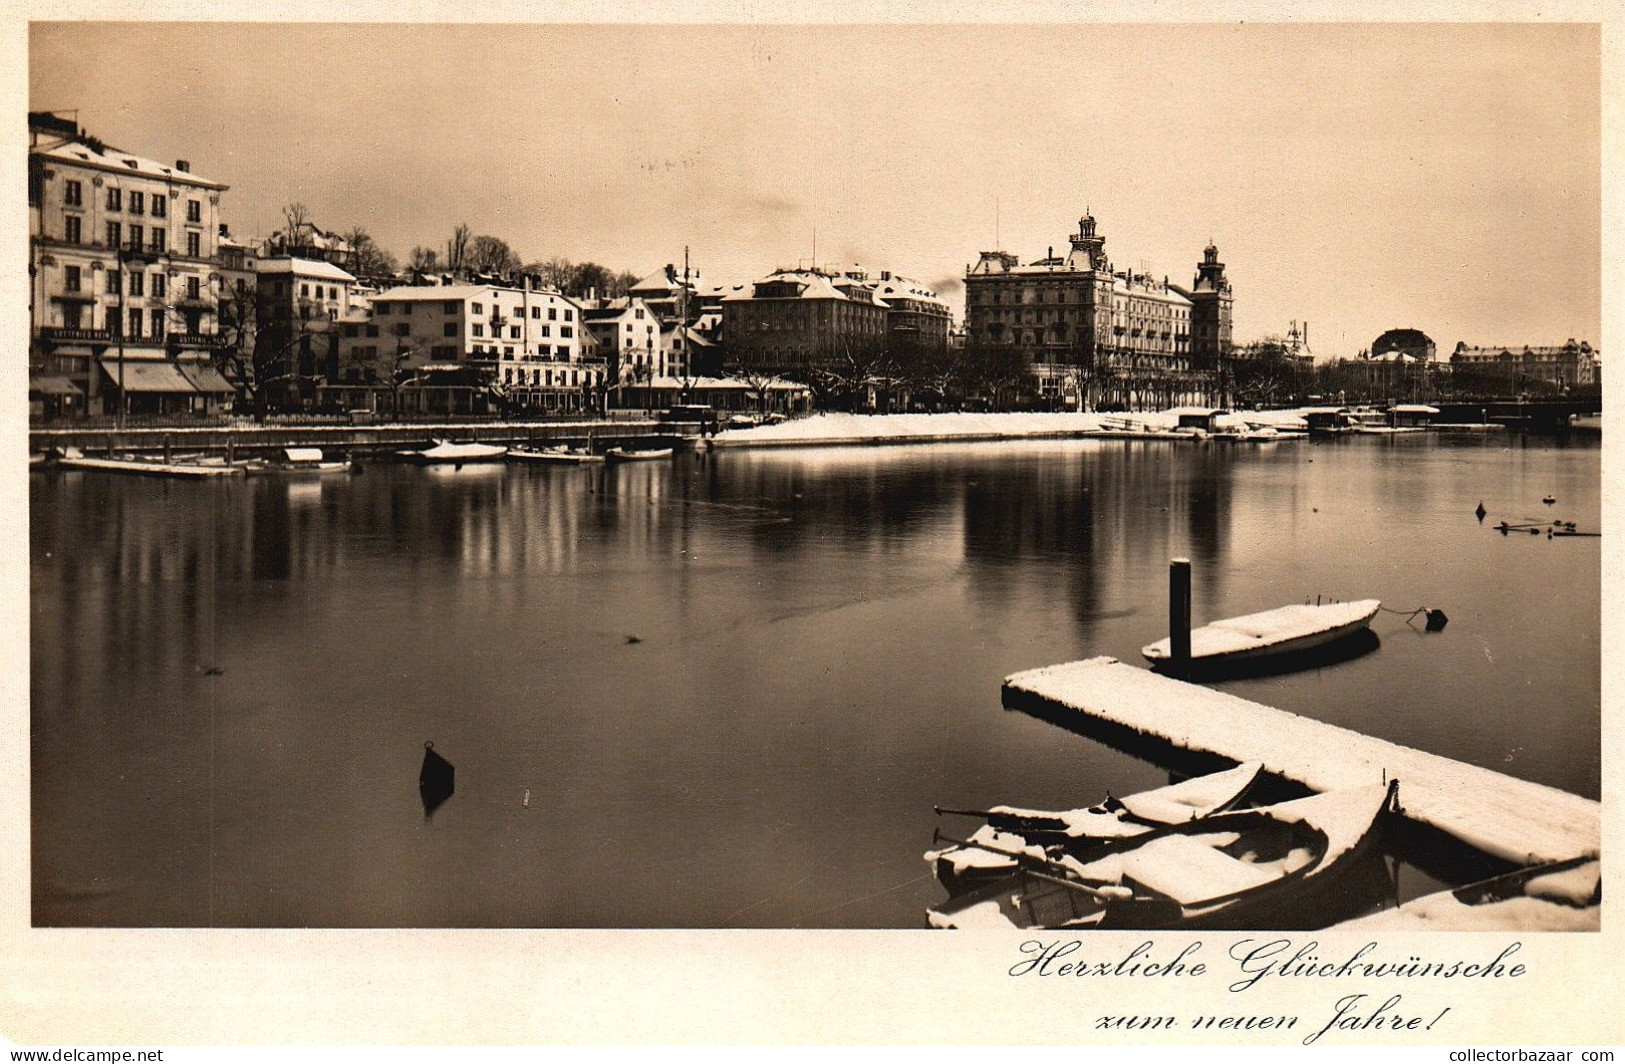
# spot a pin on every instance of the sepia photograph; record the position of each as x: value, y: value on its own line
x: 1003, y: 483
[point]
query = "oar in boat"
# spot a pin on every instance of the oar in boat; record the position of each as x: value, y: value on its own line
x: 1106, y: 892
x: 1007, y: 821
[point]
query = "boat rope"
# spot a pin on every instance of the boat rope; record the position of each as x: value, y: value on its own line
x: 868, y: 897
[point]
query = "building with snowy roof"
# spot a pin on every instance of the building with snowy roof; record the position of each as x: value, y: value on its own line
x: 124, y: 281
x: 466, y: 348
x: 798, y: 322
x: 1089, y: 334
x: 1561, y: 365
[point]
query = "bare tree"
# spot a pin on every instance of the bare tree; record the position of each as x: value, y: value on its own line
x: 489, y: 254
x: 457, y: 247
x: 370, y: 259
x: 425, y: 259
x: 296, y: 216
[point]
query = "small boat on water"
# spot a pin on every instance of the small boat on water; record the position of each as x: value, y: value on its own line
x: 299, y: 461
x: 559, y: 455
x: 1286, y: 630
x: 1253, y: 869
x: 445, y: 451
x: 73, y: 458
x: 638, y: 454
x: 1557, y: 896
x: 986, y: 854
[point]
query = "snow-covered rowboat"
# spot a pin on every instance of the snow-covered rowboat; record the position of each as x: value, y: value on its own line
x: 299, y: 461
x: 1010, y: 829
x: 446, y: 452
x: 1286, y: 630
x: 633, y: 454
x: 559, y: 455
x: 1251, y: 869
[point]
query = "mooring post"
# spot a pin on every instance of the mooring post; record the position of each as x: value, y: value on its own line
x: 1179, y: 614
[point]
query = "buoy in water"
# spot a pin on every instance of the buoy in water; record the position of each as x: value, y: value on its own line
x: 1550, y: 500
x: 1481, y: 511
x: 1436, y: 620
x: 437, y: 780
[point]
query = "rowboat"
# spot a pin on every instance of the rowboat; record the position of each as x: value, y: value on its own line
x: 72, y: 458
x: 560, y: 455
x: 1286, y: 630
x: 1557, y: 896
x: 986, y: 853
x: 446, y: 452
x: 635, y: 454
x: 1251, y: 869
x: 299, y: 461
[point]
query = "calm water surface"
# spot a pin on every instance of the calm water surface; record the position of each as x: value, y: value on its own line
x: 733, y: 686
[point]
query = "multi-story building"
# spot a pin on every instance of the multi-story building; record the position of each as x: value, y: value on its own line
x: 524, y: 344
x: 298, y: 304
x: 1088, y: 334
x: 1565, y: 365
x: 628, y: 332
x: 917, y: 319
x: 124, y: 279
x: 797, y: 322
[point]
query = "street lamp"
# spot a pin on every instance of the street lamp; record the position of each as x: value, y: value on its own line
x: 126, y: 256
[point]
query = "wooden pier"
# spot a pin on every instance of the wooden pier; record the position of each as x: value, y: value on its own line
x: 1507, y: 818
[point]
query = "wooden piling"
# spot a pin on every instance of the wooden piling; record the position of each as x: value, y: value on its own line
x: 1179, y: 616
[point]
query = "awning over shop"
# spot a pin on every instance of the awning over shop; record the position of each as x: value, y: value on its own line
x: 39, y: 385
x: 207, y: 380
x: 148, y: 376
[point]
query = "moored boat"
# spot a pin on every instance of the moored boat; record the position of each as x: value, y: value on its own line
x: 638, y: 454
x: 445, y: 451
x: 987, y: 854
x: 1286, y: 630
x: 1253, y: 869
x: 559, y: 455
x: 73, y: 459
x: 299, y: 461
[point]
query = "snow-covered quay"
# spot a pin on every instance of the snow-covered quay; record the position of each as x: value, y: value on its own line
x: 846, y: 429
x: 1508, y: 818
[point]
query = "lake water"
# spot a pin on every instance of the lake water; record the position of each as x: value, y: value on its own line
x: 726, y: 690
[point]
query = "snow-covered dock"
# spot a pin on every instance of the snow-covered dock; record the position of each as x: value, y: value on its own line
x: 1508, y: 818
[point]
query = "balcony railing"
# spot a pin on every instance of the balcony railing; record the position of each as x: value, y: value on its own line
x: 66, y: 335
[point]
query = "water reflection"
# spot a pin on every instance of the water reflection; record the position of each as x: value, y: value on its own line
x: 819, y: 639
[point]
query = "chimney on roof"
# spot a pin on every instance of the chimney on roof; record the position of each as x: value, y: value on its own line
x: 183, y: 166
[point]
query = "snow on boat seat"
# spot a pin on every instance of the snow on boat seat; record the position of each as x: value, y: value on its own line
x: 1159, y: 809
x: 1190, y: 870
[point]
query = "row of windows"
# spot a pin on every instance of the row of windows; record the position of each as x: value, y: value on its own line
x: 73, y: 194
x: 73, y: 233
x: 152, y: 321
x: 387, y: 307
x: 542, y: 378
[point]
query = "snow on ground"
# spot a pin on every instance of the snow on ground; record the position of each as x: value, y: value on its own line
x: 866, y: 428
x: 837, y: 427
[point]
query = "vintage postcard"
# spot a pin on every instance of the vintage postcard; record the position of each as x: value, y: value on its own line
x: 727, y: 526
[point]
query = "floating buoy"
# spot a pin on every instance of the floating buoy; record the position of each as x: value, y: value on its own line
x: 1481, y: 511
x: 1549, y: 500
x: 1436, y: 620
x: 526, y: 802
x: 437, y: 780
x: 632, y: 639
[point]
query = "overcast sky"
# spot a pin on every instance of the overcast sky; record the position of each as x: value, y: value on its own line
x: 1358, y: 177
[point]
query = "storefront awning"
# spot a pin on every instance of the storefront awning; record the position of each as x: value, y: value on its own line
x: 148, y: 376
x: 38, y: 385
x: 207, y: 380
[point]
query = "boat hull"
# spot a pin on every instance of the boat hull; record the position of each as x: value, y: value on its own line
x: 1259, y: 869
x: 1289, y: 630
x: 621, y: 454
x: 553, y: 457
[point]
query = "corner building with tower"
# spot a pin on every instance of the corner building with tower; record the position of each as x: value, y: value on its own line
x: 1091, y: 336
